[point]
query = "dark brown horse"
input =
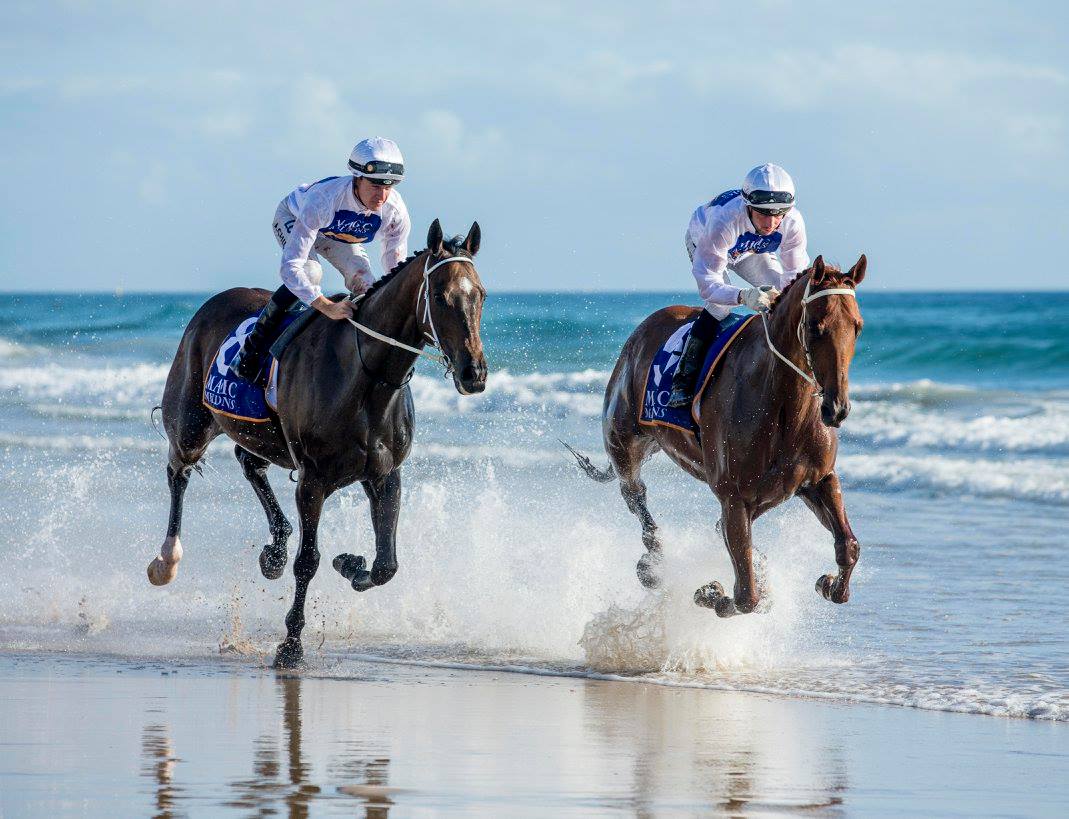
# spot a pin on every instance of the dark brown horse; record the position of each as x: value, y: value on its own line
x: 344, y: 409
x: 765, y: 434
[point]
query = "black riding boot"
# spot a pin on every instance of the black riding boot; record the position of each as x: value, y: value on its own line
x: 248, y: 363
x: 690, y: 363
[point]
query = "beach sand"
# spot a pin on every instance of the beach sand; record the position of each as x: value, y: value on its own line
x: 99, y: 736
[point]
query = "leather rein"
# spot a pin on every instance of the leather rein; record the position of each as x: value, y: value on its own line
x: 803, y: 336
x: 427, y: 319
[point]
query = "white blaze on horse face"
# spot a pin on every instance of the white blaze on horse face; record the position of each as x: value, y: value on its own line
x: 466, y: 285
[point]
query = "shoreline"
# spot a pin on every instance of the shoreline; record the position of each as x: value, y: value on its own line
x: 329, y: 664
x: 235, y: 736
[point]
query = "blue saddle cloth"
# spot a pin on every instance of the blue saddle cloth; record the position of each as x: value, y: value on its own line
x: 655, y: 410
x: 229, y: 395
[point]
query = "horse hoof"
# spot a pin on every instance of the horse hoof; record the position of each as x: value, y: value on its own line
x: 712, y: 596
x: 362, y: 582
x: 164, y: 567
x: 649, y: 570
x: 708, y: 595
x: 824, y: 585
x: 272, y: 562
x: 160, y: 572
x: 290, y: 654
x: 830, y: 589
x: 354, y: 568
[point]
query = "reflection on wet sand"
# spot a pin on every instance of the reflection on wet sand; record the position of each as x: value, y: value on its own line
x: 753, y: 755
x: 158, y: 761
x: 388, y: 739
x: 270, y: 787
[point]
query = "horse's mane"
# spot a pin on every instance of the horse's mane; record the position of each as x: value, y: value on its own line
x: 829, y: 268
x: 454, y: 246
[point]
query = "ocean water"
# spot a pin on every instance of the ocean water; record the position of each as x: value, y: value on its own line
x: 955, y: 464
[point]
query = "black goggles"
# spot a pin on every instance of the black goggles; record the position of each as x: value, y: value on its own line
x: 770, y: 198
x: 773, y: 211
x: 376, y: 167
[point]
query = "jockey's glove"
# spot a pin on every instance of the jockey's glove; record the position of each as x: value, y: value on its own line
x: 759, y: 299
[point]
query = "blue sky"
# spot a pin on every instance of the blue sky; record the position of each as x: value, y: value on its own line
x: 146, y: 145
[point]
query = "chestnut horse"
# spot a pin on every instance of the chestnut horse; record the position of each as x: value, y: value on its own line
x: 344, y: 409
x: 767, y: 427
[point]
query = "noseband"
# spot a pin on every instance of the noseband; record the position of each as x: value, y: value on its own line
x: 432, y: 336
x: 803, y: 336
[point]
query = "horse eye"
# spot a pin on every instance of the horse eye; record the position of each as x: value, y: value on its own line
x: 439, y: 299
x: 815, y: 329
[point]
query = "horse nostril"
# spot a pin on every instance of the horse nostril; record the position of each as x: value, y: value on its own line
x: 469, y: 374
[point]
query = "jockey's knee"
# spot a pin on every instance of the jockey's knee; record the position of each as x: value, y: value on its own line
x: 314, y: 271
x: 357, y: 280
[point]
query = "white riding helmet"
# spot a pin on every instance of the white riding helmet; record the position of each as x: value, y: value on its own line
x: 768, y: 187
x: 378, y: 158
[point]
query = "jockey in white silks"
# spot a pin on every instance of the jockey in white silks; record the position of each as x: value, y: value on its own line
x: 741, y: 231
x: 334, y: 218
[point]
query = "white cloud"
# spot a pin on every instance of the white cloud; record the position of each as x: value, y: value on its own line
x: 84, y: 86
x: 318, y: 119
x: 225, y: 125
x: 600, y: 77
x: 807, y: 79
x: 448, y: 140
x: 20, y: 85
x: 152, y: 187
x: 1016, y: 108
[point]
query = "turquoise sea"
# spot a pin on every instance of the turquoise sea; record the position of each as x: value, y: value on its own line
x: 955, y: 463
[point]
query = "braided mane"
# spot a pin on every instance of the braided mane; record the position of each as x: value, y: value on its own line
x: 454, y: 246
x: 828, y: 268
x: 380, y: 283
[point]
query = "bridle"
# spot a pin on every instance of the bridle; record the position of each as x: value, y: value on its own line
x: 803, y: 336
x: 428, y: 319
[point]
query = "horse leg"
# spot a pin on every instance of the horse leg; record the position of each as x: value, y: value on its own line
x: 826, y: 500
x: 164, y: 567
x: 735, y: 524
x: 273, y: 555
x: 627, y: 451
x: 310, y: 497
x: 385, y: 496
x: 190, y: 428
x: 649, y: 565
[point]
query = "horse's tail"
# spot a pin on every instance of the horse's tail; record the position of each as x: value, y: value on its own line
x: 152, y: 420
x: 599, y: 475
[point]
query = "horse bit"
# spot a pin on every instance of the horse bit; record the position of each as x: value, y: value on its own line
x: 806, y: 298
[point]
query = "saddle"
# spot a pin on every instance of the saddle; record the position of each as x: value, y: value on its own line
x: 655, y: 410
x: 236, y: 398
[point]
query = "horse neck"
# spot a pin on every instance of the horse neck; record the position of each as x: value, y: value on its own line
x: 783, y: 330
x: 392, y: 310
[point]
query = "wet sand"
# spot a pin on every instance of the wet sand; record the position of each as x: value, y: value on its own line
x: 115, y: 737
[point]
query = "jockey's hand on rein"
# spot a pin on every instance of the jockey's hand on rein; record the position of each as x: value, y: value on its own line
x: 760, y: 298
x: 335, y: 310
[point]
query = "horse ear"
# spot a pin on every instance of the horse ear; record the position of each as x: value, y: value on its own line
x: 819, y: 270
x: 471, y: 243
x: 857, y: 272
x: 435, y: 238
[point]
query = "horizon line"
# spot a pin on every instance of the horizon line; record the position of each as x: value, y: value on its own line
x: 119, y: 292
